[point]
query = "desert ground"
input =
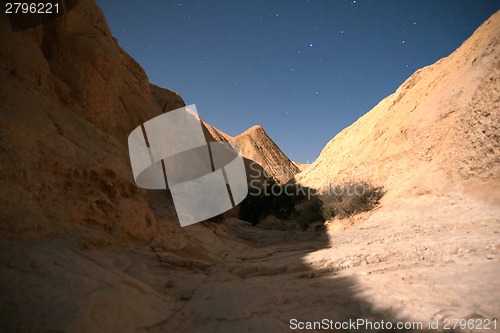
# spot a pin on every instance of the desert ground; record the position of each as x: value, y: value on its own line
x: 405, y: 264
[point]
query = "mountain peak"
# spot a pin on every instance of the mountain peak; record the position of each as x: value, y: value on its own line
x: 255, y: 129
x: 256, y: 145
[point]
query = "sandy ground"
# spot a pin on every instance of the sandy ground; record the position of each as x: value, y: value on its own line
x: 426, y: 259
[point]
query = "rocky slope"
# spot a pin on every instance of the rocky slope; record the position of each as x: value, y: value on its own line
x: 69, y: 98
x: 438, y: 133
x: 434, y: 145
x: 257, y: 146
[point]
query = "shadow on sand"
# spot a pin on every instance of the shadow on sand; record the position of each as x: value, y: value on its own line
x: 267, y: 281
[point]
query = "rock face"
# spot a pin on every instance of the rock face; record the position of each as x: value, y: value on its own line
x: 257, y: 146
x: 69, y: 98
x: 264, y: 157
x: 437, y: 133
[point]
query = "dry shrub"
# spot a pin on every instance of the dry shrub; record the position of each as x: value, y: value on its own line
x: 350, y: 199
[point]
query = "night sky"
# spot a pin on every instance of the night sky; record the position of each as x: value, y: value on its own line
x: 304, y: 70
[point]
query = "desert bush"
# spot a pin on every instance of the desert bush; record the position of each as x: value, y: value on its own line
x: 252, y: 207
x: 309, y: 212
x: 270, y: 199
x: 349, y: 199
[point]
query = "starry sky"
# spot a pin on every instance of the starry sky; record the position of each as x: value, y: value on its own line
x: 304, y: 70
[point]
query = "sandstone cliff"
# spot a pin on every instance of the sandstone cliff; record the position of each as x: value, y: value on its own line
x: 256, y: 145
x: 264, y: 158
x: 69, y: 98
x: 439, y: 132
